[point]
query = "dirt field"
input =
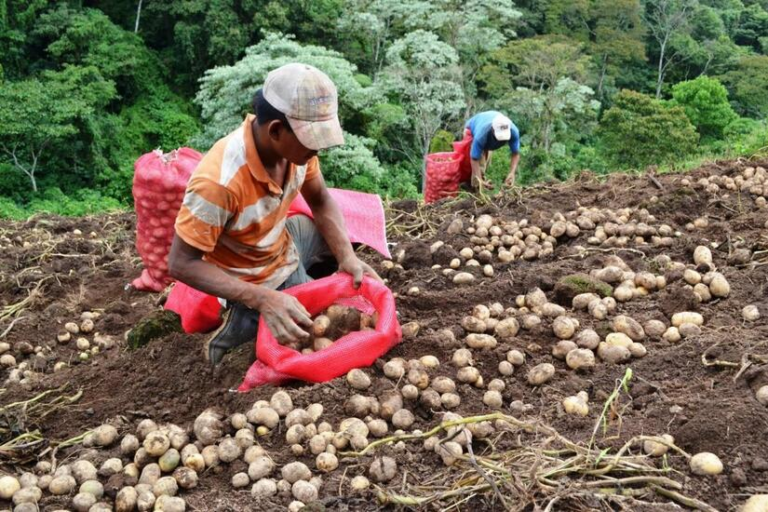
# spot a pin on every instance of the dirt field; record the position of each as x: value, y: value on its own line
x: 701, y: 389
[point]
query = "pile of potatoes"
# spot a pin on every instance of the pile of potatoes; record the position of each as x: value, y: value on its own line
x: 493, y: 239
x: 613, y: 228
x: 332, y: 324
x: 27, y: 362
x: 157, y: 462
x: 753, y: 180
x: 79, y: 332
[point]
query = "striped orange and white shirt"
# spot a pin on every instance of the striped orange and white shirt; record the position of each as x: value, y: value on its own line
x: 235, y: 213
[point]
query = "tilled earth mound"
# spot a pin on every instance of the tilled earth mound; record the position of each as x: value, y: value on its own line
x: 700, y: 389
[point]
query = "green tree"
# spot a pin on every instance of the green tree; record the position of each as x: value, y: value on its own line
x: 617, y: 37
x: 752, y: 27
x: 668, y: 20
x: 565, y: 111
x: 384, y: 21
x: 422, y: 72
x: 705, y: 101
x: 36, y: 114
x: 748, y: 85
x: 226, y: 92
x: 17, y: 17
x: 639, y: 130
x: 535, y: 63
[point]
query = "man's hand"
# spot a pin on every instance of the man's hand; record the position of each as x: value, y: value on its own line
x: 352, y: 265
x: 283, y: 314
x: 510, y: 181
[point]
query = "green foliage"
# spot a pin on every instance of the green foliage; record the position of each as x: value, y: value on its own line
x: 748, y: 85
x: 639, y: 130
x: 422, y: 73
x: 442, y: 142
x: 226, y: 92
x: 705, y: 101
x: 54, y: 201
x: 82, y: 94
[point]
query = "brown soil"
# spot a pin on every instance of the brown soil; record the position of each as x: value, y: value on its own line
x: 170, y: 381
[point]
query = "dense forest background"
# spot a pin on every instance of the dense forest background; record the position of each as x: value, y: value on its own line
x: 88, y: 86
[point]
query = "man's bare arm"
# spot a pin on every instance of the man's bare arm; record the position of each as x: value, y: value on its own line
x: 330, y: 223
x: 282, y: 312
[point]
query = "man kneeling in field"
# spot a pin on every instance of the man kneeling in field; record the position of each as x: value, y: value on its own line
x: 233, y: 238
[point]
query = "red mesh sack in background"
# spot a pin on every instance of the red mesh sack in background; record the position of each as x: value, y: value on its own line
x: 442, y: 176
x: 463, y: 148
x: 277, y: 364
x: 159, y: 182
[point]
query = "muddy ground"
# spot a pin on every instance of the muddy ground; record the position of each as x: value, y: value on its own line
x: 50, y: 274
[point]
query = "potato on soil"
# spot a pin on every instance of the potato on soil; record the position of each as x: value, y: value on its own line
x: 390, y: 403
x: 580, y: 359
x: 658, y: 448
x: 394, y: 368
x: 326, y: 462
x: 62, y: 485
x: 359, y: 484
x: 462, y: 357
x: 449, y: 451
x: 613, y: 354
x: 208, y: 427
x: 383, y: 469
x: 473, y: 324
x: 126, y: 499
x: 750, y: 313
x: 587, y: 339
x: 266, y: 416
x: 468, y: 375
x: 576, y: 406
x: 687, y: 317
x: 281, y: 403
x: 261, y: 467
x: 541, y: 374
x: 756, y: 503
x: 295, y: 471
x: 304, y: 491
x: 629, y: 326
x: 240, y: 480
x: 706, y: 463
x: 8, y: 486
x: 564, y: 327
x: 480, y: 341
x: 762, y: 395
x: 562, y: 347
x: 185, y: 477
x: 410, y: 330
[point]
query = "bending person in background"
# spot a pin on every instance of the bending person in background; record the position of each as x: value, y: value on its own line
x: 486, y: 132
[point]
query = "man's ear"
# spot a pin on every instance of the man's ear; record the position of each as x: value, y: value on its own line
x: 275, y: 129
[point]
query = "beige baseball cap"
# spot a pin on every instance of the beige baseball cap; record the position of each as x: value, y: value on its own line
x: 309, y: 100
x: 502, y: 127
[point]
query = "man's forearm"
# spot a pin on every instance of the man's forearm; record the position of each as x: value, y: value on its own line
x: 330, y: 223
x: 210, y: 279
x: 513, y: 162
x: 475, y: 165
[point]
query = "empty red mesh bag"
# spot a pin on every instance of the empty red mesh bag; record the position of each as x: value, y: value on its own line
x: 199, y: 312
x: 442, y: 176
x: 159, y: 182
x: 277, y: 364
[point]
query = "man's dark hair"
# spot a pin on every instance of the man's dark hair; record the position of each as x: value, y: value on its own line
x: 265, y: 112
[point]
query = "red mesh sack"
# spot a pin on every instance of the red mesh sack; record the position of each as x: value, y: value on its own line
x: 159, y: 182
x: 463, y: 149
x: 199, y: 312
x: 277, y: 364
x: 442, y: 176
